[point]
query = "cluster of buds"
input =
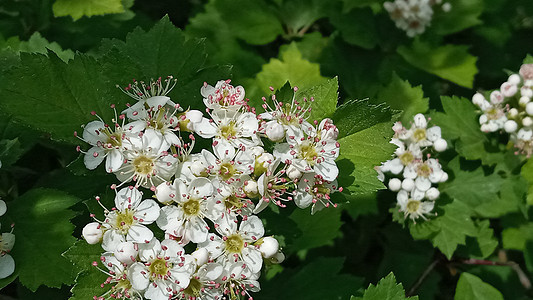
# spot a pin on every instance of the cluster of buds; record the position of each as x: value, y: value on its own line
x: 7, y: 241
x: 210, y: 198
x: 412, y: 172
x: 510, y: 108
x: 413, y: 16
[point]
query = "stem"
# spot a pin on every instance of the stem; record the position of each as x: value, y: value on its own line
x: 524, y: 280
x: 422, y: 277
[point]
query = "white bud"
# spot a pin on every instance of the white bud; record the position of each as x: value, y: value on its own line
x: 126, y: 252
x: 7, y: 241
x: 446, y: 7
x: 250, y: 187
x: 265, y: 159
x: 293, y: 173
x: 278, y: 258
x: 165, y: 193
x: 508, y: 89
x: 496, y: 97
x: 529, y: 108
x: 195, y: 116
x: 395, y: 184
x: 275, y: 131
x: 513, y: 112
x: 523, y: 101
x: 444, y: 177
x: 526, y: 91
x: 483, y: 119
x: 269, y: 247
x: 3, y: 207
x: 510, y: 126
x: 432, y: 193
x: 527, y: 121
x: 408, y: 184
x: 478, y: 99
x: 92, y: 233
x: 198, y: 168
x: 201, y: 255
x: 440, y: 145
x: 514, y: 79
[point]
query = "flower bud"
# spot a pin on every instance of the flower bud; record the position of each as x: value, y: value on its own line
x: 444, y: 177
x: 440, y: 145
x: 510, y: 126
x: 3, y: 207
x: 432, y: 193
x: 526, y: 91
x: 529, y: 108
x: 395, y: 184
x: 478, y: 99
x: 527, y: 121
x: 514, y: 79
x: 269, y: 246
x: 496, y: 97
x: 408, y: 184
x: 92, y: 233
x: 508, y: 89
x: 275, y: 131
x: 250, y: 188
x: 7, y: 241
x: 126, y: 252
x: 165, y: 192
x: 201, y: 255
x: 523, y: 101
x: 446, y: 7
x: 513, y: 113
x: 278, y: 258
x: 293, y: 173
x: 198, y: 168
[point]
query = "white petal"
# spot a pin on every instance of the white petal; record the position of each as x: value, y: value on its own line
x: 147, y: 212
x: 223, y: 149
x: 420, y: 121
x: 92, y: 134
x: 94, y: 157
x: 114, y: 160
x: 172, y: 249
x: 422, y: 183
x: 433, y: 133
x: 205, y: 128
x: 7, y: 266
x: 149, y: 251
x: 3, y: 207
x: 252, y: 228
x: 139, y: 276
x: 200, y: 188
x: 127, y: 198
x: 328, y: 169
x: 253, y: 259
x: 139, y: 233
x: 196, y: 229
x: 111, y: 240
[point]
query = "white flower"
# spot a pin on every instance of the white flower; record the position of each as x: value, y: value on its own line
x: 223, y: 96
x: 238, y: 279
x: 93, y: 233
x: 7, y: 263
x: 127, y: 222
x: 237, y: 245
x: 202, y: 284
x: 186, y: 219
x: 413, y: 207
x: 148, y: 163
x: 405, y: 157
x: 424, y: 173
x: 420, y: 134
x: 313, y: 189
x: 118, y: 276
x: 227, y: 164
x: 163, y: 270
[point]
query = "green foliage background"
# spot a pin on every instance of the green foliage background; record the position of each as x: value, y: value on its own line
x: 61, y: 59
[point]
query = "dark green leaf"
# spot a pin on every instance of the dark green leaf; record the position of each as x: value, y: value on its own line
x: 472, y: 287
x: 386, y: 289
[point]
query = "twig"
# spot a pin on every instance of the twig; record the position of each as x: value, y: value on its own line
x: 422, y: 277
x: 524, y: 280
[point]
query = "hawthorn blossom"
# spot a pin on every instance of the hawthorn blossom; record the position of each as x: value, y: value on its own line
x: 412, y: 206
x: 118, y: 277
x: 223, y: 96
x: 313, y: 189
x: 424, y: 173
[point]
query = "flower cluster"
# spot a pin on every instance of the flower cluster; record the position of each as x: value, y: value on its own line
x: 210, y: 198
x: 413, y: 16
x: 510, y: 108
x: 7, y: 241
x: 414, y: 173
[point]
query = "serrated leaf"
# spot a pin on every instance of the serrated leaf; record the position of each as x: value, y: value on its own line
x: 38, y: 44
x: 360, y: 153
x: 511, y: 199
x: 299, y: 14
x: 325, y: 97
x: 79, y: 8
x: 484, y: 243
x: 290, y: 283
x: 464, y: 14
x: 472, y: 287
x: 385, y: 289
x: 473, y: 188
x: 43, y: 231
x: 289, y: 67
x: 357, y: 27
x: 451, y: 62
x: 316, y: 230
x: 400, y: 95
x: 516, y: 238
x: 88, y: 285
x: 356, y: 115
x: 447, y: 230
x: 459, y: 122
x: 257, y: 24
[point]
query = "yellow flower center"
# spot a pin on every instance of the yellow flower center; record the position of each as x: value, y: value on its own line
x: 159, y: 267
x: 232, y: 202
x: 191, y: 207
x: 194, y: 288
x: 125, y: 220
x: 308, y: 152
x: 143, y: 165
x: 412, y: 206
x: 419, y: 134
x: 424, y: 170
x: 234, y: 243
x: 227, y: 170
x: 406, y: 158
x: 228, y: 131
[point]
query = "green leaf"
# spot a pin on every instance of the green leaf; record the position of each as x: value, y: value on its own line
x: 43, y: 231
x: 360, y: 153
x: 485, y: 243
x: 357, y: 27
x: 451, y: 62
x: 447, y: 230
x: 38, y: 44
x: 386, y: 289
x: 298, y: 283
x: 511, y: 199
x: 89, y: 280
x: 325, y: 97
x: 300, y: 14
x: 290, y: 67
x: 257, y: 23
x: 464, y: 14
x: 473, y: 188
x: 10, y: 151
x: 356, y: 115
x: 527, y: 174
x: 460, y: 122
x: 472, y: 287
x: 516, y: 238
x: 316, y: 230
x: 399, y: 95
x: 79, y: 8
